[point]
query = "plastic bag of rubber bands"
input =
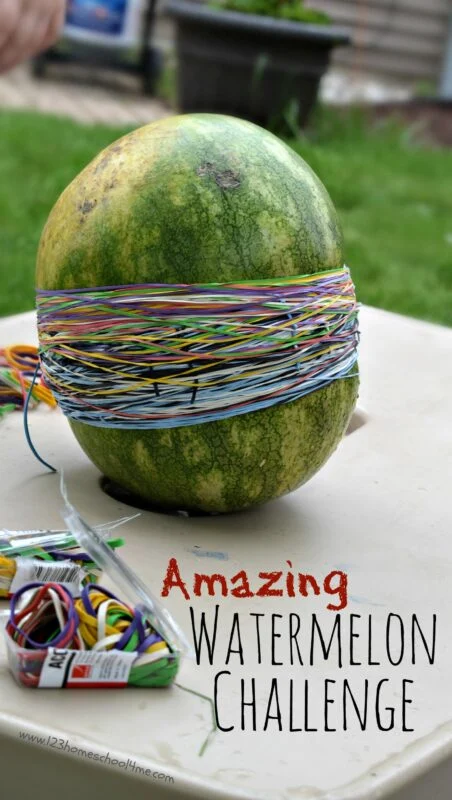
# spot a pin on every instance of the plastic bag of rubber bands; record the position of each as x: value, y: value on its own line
x: 92, y: 639
x: 49, y: 555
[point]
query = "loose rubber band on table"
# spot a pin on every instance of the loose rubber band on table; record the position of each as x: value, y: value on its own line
x: 17, y: 365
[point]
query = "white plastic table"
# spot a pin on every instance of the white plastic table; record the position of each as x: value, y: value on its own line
x: 380, y: 511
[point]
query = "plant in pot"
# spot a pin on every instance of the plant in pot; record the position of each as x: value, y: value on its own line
x: 257, y: 59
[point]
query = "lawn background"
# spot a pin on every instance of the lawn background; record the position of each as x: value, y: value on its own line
x: 393, y: 195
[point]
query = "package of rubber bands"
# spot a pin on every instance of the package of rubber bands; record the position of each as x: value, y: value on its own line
x: 48, y: 556
x: 56, y: 639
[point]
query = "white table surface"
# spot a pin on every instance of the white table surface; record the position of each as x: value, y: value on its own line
x: 380, y: 510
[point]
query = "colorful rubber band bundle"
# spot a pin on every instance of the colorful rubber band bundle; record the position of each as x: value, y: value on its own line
x: 156, y: 355
x: 19, y: 374
x: 46, y: 616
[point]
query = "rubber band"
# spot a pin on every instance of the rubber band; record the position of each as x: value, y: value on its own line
x: 160, y: 356
x: 57, y: 628
x: 26, y: 428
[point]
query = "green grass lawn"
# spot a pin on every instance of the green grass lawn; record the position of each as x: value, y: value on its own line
x: 394, y: 199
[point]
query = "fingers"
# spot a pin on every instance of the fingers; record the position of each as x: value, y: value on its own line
x: 10, y: 11
x: 34, y: 27
x: 20, y: 43
x: 55, y: 23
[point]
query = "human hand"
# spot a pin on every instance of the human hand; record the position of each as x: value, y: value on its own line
x: 27, y: 27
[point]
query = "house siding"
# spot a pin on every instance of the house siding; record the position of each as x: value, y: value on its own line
x: 402, y: 39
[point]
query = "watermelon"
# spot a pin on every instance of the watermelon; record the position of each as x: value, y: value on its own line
x: 192, y: 199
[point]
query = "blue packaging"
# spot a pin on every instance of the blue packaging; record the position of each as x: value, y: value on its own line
x: 99, y: 16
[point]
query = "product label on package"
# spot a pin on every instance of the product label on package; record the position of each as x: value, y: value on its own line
x: 85, y: 669
x: 31, y: 570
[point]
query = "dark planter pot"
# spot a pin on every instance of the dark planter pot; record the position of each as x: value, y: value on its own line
x: 255, y: 67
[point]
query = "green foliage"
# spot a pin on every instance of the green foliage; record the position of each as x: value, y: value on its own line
x: 294, y: 10
x: 39, y: 156
x: 425, y: 89
x: 394, y: 201
x: 393, y: 198
x: 167, y: 83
